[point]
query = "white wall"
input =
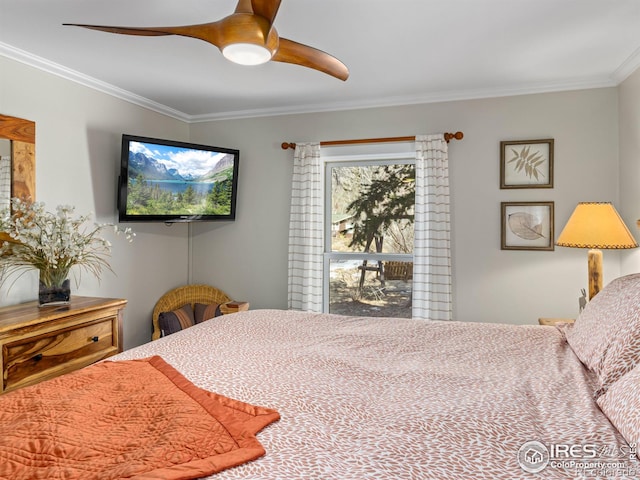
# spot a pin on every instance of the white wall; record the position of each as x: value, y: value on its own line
x: 77, y: 150
x: 248, y: 258
x: 78, y: 134
x: 629, y: 106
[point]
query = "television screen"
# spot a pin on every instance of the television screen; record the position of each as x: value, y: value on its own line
x: 170, y: 181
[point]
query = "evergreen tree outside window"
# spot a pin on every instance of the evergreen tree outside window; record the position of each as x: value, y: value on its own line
x: 369, y: 236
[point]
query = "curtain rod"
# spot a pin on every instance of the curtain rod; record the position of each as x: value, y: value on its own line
x: 447, y: 138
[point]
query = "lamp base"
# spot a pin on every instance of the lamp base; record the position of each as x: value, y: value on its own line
x: 595, y: 272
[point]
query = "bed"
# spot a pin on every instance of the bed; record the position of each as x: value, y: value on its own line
x: 368, y: 398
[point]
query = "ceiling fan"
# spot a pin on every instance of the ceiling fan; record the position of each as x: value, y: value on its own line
x: 247, y: 37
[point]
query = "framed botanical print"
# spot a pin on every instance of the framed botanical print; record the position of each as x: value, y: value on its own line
x: 527, y: 226
x: 526, y: 164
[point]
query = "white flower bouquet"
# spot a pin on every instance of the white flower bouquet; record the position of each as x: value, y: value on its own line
x: 52, y: 243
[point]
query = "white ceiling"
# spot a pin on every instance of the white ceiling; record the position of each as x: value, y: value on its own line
x: 397, y: 51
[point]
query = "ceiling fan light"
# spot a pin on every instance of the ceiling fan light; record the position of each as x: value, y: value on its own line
x: 246, y: 53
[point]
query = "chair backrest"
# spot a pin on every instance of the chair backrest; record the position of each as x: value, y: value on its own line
x: 187, y: 294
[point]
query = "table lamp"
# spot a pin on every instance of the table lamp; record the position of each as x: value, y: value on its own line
x: 595, y: 225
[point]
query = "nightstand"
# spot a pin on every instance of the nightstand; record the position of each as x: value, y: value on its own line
x: 555, y: 321
x: 233, y: 307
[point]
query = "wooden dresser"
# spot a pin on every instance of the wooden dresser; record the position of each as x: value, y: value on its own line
x: 41, y: 343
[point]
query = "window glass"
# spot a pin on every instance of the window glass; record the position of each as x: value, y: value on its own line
x: 372, y: 208
x: 354, y: 291
x: 369, y: 232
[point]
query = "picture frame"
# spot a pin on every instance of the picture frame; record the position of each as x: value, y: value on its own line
x: 527, y: 226
x: 526, y: 163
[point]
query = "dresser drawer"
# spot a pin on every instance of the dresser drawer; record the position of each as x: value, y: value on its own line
x: 34, y: 358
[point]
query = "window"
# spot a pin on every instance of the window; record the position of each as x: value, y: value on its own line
x: 368, y: 254
x: 313, y: 255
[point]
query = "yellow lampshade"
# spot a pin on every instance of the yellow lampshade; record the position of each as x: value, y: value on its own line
x: 595, y: 225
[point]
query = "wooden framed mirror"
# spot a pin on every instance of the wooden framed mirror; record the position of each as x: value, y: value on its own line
x: 18, y: 138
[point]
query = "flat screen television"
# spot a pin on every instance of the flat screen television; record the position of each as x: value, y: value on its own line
x: 170, y: 181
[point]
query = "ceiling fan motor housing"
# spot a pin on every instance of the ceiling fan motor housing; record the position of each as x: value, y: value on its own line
x: 247, y: 39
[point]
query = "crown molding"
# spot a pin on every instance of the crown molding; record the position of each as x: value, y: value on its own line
x: 398, y: 101
x: 629, y: 66
x: 45, y: 65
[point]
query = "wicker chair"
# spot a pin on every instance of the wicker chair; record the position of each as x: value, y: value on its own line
x: 180, y: 296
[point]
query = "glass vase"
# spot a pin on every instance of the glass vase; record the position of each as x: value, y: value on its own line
x: 54, y: 294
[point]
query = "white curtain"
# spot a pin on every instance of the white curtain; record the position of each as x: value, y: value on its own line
x: 306, y: 230
x: 432, y: 243
x: 5, y: 182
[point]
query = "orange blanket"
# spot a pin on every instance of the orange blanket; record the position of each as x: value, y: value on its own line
x: 138, y: 419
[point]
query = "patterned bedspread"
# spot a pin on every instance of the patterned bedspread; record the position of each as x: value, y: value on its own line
x: 398, y: 399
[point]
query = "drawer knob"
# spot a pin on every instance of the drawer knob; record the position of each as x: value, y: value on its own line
x: 94, y: 339
x: 37, y: 357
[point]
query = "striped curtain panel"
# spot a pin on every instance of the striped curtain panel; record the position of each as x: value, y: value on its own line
x: 432, y: 243
x: 306, y: 230
x: 5, y: 182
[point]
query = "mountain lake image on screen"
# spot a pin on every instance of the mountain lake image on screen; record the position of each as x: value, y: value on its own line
x: 171, y: 181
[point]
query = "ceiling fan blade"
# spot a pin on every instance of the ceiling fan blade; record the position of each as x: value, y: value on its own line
x: 209, y: 32
x: 124, y: 30
x: 299, y: 54
x: 244, y: 6
x: 266, y: 9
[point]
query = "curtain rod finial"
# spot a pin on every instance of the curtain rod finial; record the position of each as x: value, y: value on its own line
x: 456, y: 136
x: 286, y: 145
